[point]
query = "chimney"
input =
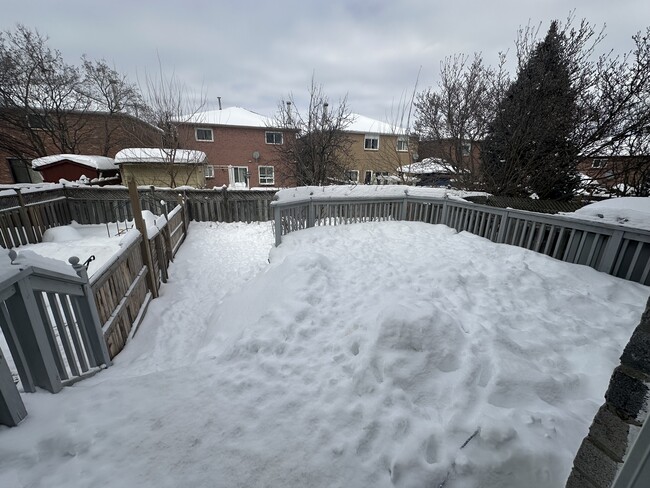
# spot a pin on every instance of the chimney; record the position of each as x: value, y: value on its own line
x: 219, y: 98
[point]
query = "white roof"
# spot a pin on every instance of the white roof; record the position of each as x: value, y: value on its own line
x: 428, y: 165
x: 158, y: 155
x: 361, y: 123
x: 233, y: 116
x: 95, y: 162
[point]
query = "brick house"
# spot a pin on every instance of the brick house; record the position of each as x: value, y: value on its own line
x: 621, y: 175
x: 241, y: 147
x: 378, y: 149
x: 99, y: 133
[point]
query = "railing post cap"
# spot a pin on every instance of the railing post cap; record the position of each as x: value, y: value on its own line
x: 13, y: 255
x: 74, y: 261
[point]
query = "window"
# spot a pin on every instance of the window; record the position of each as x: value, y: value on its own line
x: 352, y: 176
x: 267, y: 175
x: 204, y: 135
x: 466, y: 148
x: 240, y: 174
x: 402, y: 144
x: 274, y: 137
x: 209, y: 171
x: 599, y: 163
x: 367, y: 179
x: 37, y: 121
x: 371, y: 142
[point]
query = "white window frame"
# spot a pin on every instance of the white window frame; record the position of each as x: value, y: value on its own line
x: 599, y: 163
x: 264, y: 180
x: 209, y: 171
x: 402, y: 144
x: 196, y: 134
x: 275, y: 133
x: 348, y: 172
x: 371, y: 137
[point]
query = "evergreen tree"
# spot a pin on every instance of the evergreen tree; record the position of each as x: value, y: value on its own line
x: 530, y: 147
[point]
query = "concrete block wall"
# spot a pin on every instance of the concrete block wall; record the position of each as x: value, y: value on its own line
x: 620, y: 418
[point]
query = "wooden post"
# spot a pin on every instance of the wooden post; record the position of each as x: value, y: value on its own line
x: 226, y: 205
x: 24, y: 218
x: 90, y: 317
x: 142, y: 228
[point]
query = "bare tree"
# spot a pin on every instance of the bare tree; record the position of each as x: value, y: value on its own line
x: 452, y: 118
x: 171, y: 106
x: 403, y: 149
x: 321, y: 150
x: 38, y: 94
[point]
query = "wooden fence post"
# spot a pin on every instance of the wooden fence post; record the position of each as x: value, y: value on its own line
x: 24, y: 218
x: 311, y: 213
x: 140, y: 225
x: 611, y: 252
x: 226, y: 205
x: 277, y: 211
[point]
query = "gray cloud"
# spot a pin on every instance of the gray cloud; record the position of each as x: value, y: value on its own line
x: 254, y: 53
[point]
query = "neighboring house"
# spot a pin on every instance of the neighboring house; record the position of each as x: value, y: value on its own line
x: 86, y: 132
x: 464, y: 156
x: 241, y: 147
x: 378, y: 149
x: 428, y: 172
x: 99, y: 170
x: 163, y: 167
x: 619, y: 175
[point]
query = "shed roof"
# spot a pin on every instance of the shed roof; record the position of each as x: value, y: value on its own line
x: 159, y: 155
x: 96, y: 162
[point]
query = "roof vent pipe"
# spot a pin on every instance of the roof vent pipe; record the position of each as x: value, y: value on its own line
x: 219, y: 99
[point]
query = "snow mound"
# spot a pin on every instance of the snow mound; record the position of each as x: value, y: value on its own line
x: 423, y: 355
x: 64, y: 233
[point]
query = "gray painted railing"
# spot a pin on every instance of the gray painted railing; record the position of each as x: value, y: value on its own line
x: 616, y: 250
x: 50, y: 322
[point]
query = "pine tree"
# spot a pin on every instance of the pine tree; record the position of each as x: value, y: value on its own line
x: 529, y: 147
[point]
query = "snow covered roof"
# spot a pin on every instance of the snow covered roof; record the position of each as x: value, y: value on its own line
x: 361, y: 123
x: 428, y: 165
x: 158, y: 155
x: 95, y: 162
x: 232, y: 116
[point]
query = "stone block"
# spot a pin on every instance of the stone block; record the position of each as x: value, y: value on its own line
x: 595, y: 465
x: 610, y: 432
x: 637, y: 352
x: 578, y: 480
x: 627, y: 395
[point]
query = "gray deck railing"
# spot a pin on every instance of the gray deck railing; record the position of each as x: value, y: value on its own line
x: 613, y: 249
x: 51, y: 325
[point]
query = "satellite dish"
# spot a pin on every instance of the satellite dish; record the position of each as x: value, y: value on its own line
x: 256, y: 155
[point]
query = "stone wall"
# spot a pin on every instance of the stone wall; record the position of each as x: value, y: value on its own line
x: 619, y: 420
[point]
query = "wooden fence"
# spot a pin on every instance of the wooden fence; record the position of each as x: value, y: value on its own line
x: 24, y: 218
x: 120, y: 289
x: 613, y: 249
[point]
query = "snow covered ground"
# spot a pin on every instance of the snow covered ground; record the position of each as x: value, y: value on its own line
x: 378, y: 354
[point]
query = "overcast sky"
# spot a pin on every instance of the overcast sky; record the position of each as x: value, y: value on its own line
x: 254, y: 53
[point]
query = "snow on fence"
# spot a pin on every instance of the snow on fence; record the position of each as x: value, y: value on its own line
x: 24, y: 218
x: 615, y: 250
x: 120, y: 289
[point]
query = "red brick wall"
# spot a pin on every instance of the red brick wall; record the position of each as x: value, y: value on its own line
x: 97, y: 134
x: 234, y: 146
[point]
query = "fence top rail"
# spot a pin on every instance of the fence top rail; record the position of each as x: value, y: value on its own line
x: 15, y: 273
x: 563, y: 220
